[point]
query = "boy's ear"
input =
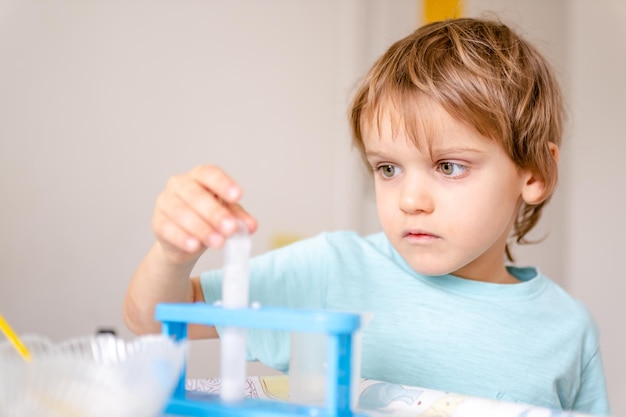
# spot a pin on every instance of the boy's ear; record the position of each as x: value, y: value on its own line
x: 535, y: 189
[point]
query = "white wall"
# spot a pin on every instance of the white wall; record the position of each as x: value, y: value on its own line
x: 596, y: 224
x: 102, y: 100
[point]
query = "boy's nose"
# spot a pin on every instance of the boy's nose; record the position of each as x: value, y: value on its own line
x: 415, y: 198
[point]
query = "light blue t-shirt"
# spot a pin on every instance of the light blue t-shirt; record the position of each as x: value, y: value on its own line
x: 528, y: 342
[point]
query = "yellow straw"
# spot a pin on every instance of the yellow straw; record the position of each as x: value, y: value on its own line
x: 12, y: 336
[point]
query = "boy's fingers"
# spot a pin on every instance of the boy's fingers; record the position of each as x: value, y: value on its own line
x: 175, y: 237
x: 207, y: 206
x: 240, y: 213
x: 218, y: 182
x: 201, y: 207
x: 173, y: 211
x: 177, y: 244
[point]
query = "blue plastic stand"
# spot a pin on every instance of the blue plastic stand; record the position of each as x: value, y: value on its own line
x: 338, y: 326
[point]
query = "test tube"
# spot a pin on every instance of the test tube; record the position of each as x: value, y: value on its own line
x: 235, y: 289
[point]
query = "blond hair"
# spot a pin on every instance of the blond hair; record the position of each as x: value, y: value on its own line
x: 482, y: 73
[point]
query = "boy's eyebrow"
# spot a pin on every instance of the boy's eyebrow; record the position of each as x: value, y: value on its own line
x: 374, y: 154
x: 457, y: 150
x: 438, y: 150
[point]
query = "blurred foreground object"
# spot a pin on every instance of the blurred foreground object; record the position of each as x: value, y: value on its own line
x: 90, y: 376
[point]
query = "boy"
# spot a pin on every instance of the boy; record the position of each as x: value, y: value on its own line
x: 460, y: 123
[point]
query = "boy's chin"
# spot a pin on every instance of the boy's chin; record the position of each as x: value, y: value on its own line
x: 432, y: 270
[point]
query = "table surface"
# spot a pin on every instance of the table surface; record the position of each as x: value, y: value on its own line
x: 378, y: 398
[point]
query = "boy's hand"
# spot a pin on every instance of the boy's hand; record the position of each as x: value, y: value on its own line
x: 198, y: 210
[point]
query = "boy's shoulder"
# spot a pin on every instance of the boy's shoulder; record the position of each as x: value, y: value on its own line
x: 562, y: 303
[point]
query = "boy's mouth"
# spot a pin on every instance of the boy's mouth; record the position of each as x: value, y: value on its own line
x: 419, y: 235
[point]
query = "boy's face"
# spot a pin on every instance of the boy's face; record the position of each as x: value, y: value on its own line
x: 447, y: 205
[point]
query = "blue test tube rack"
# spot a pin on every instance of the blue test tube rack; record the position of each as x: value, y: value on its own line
x: 339, y: 327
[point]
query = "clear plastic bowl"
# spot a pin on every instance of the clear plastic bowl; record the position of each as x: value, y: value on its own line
x: 90, y: 377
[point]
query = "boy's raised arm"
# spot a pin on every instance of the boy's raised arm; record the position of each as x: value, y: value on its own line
x: 197, y: 210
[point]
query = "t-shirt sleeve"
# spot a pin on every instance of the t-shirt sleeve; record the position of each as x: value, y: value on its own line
x: 592, y: 395
x: 293, y: 276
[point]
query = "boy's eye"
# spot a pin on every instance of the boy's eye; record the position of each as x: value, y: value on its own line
x: 387, y: 171
x: 451, y: 169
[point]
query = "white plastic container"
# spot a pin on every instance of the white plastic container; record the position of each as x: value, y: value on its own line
x: 99, y: 376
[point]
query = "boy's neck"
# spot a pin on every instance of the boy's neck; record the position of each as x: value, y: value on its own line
x: 487, y: 270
